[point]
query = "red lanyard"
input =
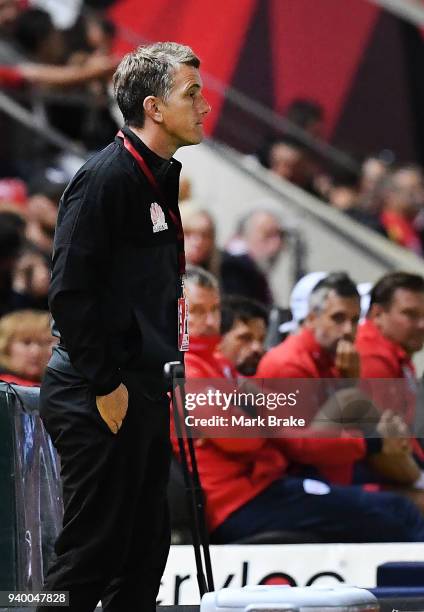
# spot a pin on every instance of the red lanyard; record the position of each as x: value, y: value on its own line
x: 176, y: 220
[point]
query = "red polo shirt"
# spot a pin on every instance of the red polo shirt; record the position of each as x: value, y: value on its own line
x: 299, y: 356
x: 381, y: 357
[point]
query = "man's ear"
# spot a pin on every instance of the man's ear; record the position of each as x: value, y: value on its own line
x: 310, y: 319
x: 375, y: 312
x: 152, y: 109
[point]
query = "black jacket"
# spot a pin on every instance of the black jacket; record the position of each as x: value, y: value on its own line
x: 241, y: 276
x: 116, y: 282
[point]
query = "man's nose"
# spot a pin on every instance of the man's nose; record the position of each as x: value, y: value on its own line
x: 348, y: 330
x: 211, y: 319
x: 257, y: 347
x: 205, y: 107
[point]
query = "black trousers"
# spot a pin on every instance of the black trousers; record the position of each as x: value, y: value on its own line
x: 115, y: 538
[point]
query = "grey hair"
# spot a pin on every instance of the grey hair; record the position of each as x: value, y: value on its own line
x: 318, y: 298
x: 244, y: 223
x: 201, y: 278
x: 339, y: 282
x: 148, y: 71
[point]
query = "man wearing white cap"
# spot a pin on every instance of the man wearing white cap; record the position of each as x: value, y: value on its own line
x: 299, y: 300
x: 324, y: 347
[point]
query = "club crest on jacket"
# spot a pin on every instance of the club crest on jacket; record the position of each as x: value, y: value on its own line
x: 158, y: 218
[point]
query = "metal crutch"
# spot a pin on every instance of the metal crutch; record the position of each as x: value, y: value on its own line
x: 174, y: 372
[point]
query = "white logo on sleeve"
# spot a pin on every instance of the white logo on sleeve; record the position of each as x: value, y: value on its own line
x: 315, y: 487
x: 158, y: 218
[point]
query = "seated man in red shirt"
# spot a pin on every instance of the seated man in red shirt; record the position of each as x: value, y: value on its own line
x: 243, y: 328
x: 324, y: 347
x: 245, y: 480
x: 387, y: 340
x: 394, y: 328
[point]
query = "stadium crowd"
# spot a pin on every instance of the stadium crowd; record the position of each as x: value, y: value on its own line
x: 385, y: 196
x: 331, y: 487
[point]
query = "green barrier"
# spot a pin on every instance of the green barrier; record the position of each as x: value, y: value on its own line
x: 7, y: 497
x: 30, y: 492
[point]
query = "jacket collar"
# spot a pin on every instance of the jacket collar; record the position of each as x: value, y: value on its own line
x: 158, y: 165
x: 371, y: 333
x: 204, y: 346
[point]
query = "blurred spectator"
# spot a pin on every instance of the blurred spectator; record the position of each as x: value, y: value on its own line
x: 32, y: 278
x: 38, y: 54
x: 101, y: 34
x: 38, y: 38
x: 394, y: 328
x: 289, y: 159
x: 324, y: 346
x: 11, y: 241
x: 243, y: 331
x: 308, y: 115
x: 13, y: 190
x: 402, y: 199
x: 25, y: 346
x: 367, y: 212
x: 42, y: 42
x: 78, y: 57
x: 9, y: 11
x: 199, y: 238
x: 47, y: 48
x: 343, y: 191
x: 42, y: 212
x: 373, y: 171
x: 91, y: 33
x: 247, y: 274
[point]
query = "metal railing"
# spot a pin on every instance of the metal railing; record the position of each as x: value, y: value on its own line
x: 409, y: 10
x: 35, y: 122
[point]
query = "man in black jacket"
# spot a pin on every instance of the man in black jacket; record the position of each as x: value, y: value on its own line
x: 117, y: 299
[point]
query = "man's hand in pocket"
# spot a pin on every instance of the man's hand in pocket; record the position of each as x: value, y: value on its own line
x: 113, y: 407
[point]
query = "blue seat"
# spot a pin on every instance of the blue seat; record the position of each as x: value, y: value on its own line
x: 401, y: 574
